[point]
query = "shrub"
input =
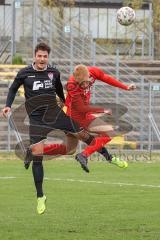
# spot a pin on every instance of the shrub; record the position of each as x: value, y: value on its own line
x: 18, y: 60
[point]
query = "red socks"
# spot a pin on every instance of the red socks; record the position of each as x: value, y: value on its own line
x: 96, y: 144
x: 60, y: 149
x: 54, y: 149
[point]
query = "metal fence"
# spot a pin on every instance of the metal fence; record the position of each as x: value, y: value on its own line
x: 141, y: 111
x: 70, y: 46
x: 25, y: 22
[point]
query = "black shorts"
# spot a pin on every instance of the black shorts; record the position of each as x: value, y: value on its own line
x: 40, y: 127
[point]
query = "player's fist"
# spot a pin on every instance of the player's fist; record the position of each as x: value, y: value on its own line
x: 131, y: 87
x: 6, y: 111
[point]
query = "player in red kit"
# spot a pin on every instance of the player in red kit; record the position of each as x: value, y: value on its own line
x: 79, y: 109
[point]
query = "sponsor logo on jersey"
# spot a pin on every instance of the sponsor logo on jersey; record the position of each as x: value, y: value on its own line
x: 48, y: 83
x: 37, y: 85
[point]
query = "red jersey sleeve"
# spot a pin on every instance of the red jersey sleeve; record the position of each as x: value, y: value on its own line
x: 100, y: 75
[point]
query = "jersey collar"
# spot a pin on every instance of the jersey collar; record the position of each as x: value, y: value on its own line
x: 39, y: 70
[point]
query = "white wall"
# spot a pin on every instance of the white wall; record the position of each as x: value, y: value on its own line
x: 101, y: 22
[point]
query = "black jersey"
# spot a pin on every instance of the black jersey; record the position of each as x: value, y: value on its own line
x: 40, y: 88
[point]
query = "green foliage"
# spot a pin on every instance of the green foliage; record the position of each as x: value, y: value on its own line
x: 56, y: 3
x: 156, y: 15
x: 136, y: 4
x: 18, y: 60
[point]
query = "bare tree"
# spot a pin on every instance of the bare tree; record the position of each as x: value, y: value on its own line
x: 59, y: 4
x: 156, y: 27
x: 137, y: 4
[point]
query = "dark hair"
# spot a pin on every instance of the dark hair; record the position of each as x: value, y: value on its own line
x: 42, y: 46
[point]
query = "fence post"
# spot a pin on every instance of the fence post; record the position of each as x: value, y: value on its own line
x: 142, y: 113
x: 150, y: 110
x: 142, y: 46
x: 133, y: 49
x: 34, y: 24
x: 82, y: 51
x: 71, y: 51
x: 13, y: 49
x: 150, y: 29
x: 117, y: 90
x: 93, y: 99
x: 8, y: 130
x: 152, y: 45
x: 117, y: 74
x: 50, y: 32
x: 94, y: 53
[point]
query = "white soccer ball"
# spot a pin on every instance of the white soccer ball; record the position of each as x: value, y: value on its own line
x: 126, y: 16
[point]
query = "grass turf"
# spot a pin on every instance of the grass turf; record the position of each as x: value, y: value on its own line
x: 108, y: 203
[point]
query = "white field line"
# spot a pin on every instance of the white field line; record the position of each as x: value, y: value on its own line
x: 103, y: 182
x: 7, y: 177
x: 92, y: 181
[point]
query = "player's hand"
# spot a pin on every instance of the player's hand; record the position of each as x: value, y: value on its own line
x: 60, y: 103
x: 131, y: 87
x: 108, y: 111
x: 6, y: 111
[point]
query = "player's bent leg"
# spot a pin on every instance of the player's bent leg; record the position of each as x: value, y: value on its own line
x: 38, y: 148
x: 94, y: 144
x: 38, y: 175
x: 33, y: 150
x: 103, y: 151
x: 45, y: 148
x: 100, y: 127
x: 72, y: 142
x: 28, y: 158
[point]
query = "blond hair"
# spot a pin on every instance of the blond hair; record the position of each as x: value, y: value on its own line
x: 80, y: 72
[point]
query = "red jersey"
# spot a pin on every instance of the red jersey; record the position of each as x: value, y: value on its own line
x: 78, y: 99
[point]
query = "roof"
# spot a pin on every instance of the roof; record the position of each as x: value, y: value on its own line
x: 99, y: 1
x: 104, y: 3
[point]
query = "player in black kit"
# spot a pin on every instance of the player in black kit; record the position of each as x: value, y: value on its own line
x: 41, y: 84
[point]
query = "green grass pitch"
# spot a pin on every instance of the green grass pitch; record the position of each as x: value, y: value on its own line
x: 108, y: 203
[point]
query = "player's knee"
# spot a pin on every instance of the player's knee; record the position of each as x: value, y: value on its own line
x: 37, y: 149
x: 89, y: 140
x: 83, y: 135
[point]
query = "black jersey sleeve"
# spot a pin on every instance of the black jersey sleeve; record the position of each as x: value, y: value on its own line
x: 59, y: 88
x: 18, y: 81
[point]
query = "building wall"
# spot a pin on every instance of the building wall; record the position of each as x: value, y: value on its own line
x: 100, y: 22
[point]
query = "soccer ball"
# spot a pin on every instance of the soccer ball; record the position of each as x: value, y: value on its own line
x: 126, y: 16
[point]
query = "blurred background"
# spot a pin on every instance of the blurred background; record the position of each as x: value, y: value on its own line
x: 88, y: 32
